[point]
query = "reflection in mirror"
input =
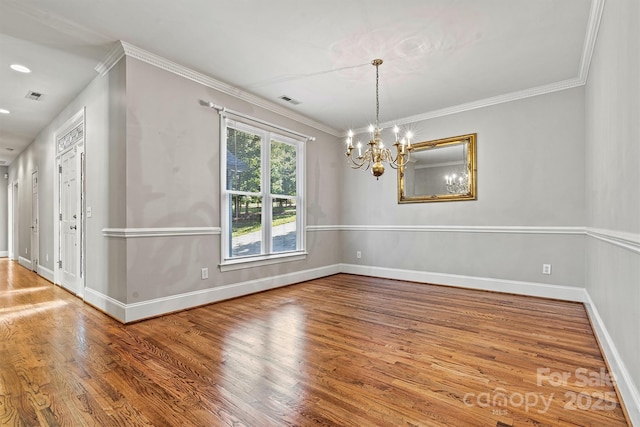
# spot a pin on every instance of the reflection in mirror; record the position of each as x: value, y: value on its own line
x: 439, y: 170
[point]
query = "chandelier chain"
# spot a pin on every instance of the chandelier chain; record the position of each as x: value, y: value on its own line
x: 377, y: 99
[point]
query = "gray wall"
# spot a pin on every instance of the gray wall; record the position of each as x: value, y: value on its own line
x: 173, y: 181
x: 530, y: 156
x: 613, y: 177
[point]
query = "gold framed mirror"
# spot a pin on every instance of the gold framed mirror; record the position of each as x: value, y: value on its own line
x: 439, y: 171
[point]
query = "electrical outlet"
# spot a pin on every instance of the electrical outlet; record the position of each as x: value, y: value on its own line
x: 358, y: 254
x: 204, y: 273
x: 546, y: 268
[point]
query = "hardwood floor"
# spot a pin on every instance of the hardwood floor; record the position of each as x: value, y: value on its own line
x: 343, y: 350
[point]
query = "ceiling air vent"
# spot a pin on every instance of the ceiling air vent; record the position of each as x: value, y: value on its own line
x: 289, y: 99
x: 33, y: 95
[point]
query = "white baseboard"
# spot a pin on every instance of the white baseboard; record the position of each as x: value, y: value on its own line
x: 142, y: 310
x: 26, y: 263
x: 4, y: 254
x: 566, y: 293
x: 45, y: 272
x: 112, y: 307
x: 156, y: 307
x: 626, y: 386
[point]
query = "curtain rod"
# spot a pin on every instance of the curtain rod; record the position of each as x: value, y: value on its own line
x: 221, y: 110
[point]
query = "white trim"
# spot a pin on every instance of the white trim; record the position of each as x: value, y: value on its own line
x: 627, y: 388
x: 260, y: 261
x: 630, y: 241
x: 566, y: 293
x: 106, y: 304
x: 4, y: 254
x: 26, y: 263
x: 112, y: 58
x: 145, y: 309
x: 323, y: 228
x: 593, y: 25
x: 45, y: 272
x: 452, y: 229
x: 187, y: 73
x: 481, y: 103
x: 236, y: 116
x: 127, y: 233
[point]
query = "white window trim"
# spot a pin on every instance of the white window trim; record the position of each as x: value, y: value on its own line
x: 230, y: 264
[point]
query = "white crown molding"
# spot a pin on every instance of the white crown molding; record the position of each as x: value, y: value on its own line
x: 595, y: 16
x: 126, y: 233
x: 112, y: 58
x: 187, y: 73
x: 487, y: 102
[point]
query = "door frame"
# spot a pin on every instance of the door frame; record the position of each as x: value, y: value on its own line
x: 16, y: 219
x: 35, y: 233
x: 63, y: 143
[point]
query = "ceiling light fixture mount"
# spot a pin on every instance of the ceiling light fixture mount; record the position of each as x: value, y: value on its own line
x: 377, y: 154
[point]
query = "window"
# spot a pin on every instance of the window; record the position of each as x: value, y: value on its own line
x: 262, y: 190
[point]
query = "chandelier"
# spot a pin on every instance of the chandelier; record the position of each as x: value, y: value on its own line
x: 457, y: 184
x: 376, y: 154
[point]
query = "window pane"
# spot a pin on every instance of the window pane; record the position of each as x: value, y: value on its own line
x: 283, y: 231
x: 246, y: 225
x: 283, y: 168
x: 243, y: 161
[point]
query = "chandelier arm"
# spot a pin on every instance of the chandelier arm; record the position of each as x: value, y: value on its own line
x: 355, y: 164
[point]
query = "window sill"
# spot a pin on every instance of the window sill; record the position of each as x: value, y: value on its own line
x: 258, y: 261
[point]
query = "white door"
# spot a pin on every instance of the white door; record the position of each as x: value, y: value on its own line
x: 35, y: 238
x: 69, y: 222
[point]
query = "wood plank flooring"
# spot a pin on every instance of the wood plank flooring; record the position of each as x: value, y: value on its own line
x: 339, y: 351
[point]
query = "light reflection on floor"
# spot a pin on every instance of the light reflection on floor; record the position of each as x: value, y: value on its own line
x: 279, y: 342
x: 10, y: 313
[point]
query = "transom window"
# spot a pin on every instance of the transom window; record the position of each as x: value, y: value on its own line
x: 262, y: 186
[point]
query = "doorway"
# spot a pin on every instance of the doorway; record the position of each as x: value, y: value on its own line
x: 69, y: 221
x: 15, y: 222
x: 35, y: 229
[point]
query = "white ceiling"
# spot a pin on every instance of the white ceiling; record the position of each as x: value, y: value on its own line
x: 438, y: 54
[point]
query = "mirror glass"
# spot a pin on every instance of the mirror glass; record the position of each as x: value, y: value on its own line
x: 440, y: 170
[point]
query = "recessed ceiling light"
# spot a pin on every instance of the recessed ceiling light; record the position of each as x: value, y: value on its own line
x: 3, y: 111
x: 20, y: 68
